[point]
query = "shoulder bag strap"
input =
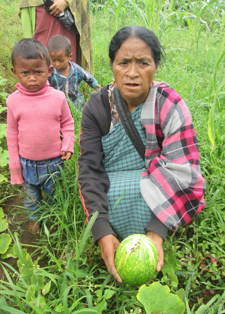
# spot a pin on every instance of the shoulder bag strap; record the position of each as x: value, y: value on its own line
x: 128, y: 123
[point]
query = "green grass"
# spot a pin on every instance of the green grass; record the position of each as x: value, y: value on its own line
x: 71, y: 264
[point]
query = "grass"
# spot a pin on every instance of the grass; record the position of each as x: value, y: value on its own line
x: 72, y: 273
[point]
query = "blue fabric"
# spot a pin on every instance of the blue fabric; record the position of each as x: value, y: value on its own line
x: 70, y: 85
x: 128, y: 211
x: 38, y: 175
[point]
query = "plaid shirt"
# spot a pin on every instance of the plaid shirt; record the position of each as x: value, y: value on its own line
x: 70, y: 85
x: 172, y: 185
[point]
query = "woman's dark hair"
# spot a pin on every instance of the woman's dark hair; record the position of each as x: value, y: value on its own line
x: 29, y: 48
x: 59, y: 42
x: 135, y: 32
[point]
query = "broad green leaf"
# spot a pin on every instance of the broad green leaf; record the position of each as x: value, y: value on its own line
x: 98, y: 294
x: 25, y: 262
x: 2, y: 130
x: 1, y: 213
x: 9, y: 253
x: 108, y: 293
x: 158, y: 299
x: 5, y: 240
x: 3, y: 222
x: 180, y: 293
x: 4, y: 158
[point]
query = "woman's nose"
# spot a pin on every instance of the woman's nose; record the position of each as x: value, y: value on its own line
x: 132, y: 70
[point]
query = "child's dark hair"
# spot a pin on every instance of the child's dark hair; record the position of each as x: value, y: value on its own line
x: 29, y: 48
x: 59, y: 42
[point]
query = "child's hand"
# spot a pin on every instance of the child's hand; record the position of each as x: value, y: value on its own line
x: 65, y: 155
x: 98, y: 86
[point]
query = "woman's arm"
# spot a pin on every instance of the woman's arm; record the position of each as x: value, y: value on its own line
x: 173, y: 186
x: 92, y: 178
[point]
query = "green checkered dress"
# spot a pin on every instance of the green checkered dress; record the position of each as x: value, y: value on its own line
x: 128, y: 211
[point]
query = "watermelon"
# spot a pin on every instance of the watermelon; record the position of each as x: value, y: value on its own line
x: 136, y: 259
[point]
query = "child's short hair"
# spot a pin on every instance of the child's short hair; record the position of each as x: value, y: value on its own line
x: 29, y: 48
x: 59, y: 42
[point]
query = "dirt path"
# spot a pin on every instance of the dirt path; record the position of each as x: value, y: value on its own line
x: 18, y: 222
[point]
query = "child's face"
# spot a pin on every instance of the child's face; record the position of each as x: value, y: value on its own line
x: 32, y: 73
x: 60, y: 60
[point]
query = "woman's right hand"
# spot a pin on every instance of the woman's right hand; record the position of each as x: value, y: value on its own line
x: 58, y: 7
x: 108, y: 246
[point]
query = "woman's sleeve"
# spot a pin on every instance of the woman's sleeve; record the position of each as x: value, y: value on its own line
x: 173, y: 185
x: 92, y: 178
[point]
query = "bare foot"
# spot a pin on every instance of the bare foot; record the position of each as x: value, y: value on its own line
x: 34, y: 227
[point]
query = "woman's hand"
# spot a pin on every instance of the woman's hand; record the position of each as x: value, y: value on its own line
x: 108, y: 246
x: 58, y: 7
x: 158, y: 241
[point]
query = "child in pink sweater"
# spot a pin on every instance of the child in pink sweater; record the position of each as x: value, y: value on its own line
x: 36, y: 115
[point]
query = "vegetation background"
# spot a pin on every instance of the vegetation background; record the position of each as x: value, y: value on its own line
x: 65, y: 273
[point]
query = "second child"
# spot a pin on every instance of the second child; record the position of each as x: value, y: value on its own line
x: 67, y: 75
x: 37, y: 115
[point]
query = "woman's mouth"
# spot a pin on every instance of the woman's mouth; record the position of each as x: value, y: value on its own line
x: 132, y: 85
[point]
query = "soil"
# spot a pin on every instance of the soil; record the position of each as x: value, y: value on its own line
x: 18, y: 222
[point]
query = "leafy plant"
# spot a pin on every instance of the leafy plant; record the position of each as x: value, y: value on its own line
x: 5, y: 238
x: 158, y: 299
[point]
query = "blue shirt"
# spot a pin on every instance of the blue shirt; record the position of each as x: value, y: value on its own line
x: 70, y: 85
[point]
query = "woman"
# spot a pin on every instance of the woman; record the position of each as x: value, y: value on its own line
x: 133, y: 195
x: 39, y: 24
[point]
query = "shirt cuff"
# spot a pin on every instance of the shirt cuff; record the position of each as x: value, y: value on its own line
x: 94, y: 84
x: 16, y: 176
x: 157, y: 226
x: 100, y: 229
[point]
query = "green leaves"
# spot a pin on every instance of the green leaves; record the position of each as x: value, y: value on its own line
x: 158, y: 299
x: 5, y: 239
x: 216, y: 89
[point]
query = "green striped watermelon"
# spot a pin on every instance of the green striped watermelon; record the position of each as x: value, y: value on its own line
x: 136, y: 259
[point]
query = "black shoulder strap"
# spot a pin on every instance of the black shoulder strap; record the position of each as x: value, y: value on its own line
x: 128, y: 123
x: 105, y: 102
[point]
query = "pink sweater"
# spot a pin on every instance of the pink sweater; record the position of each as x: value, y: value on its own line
x: 34, y: 123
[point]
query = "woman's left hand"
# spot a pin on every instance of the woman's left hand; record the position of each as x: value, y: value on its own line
x: 158, y: 241
x: 58, y: 7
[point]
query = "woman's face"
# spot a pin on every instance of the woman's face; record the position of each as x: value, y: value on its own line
x: 134, y: 69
